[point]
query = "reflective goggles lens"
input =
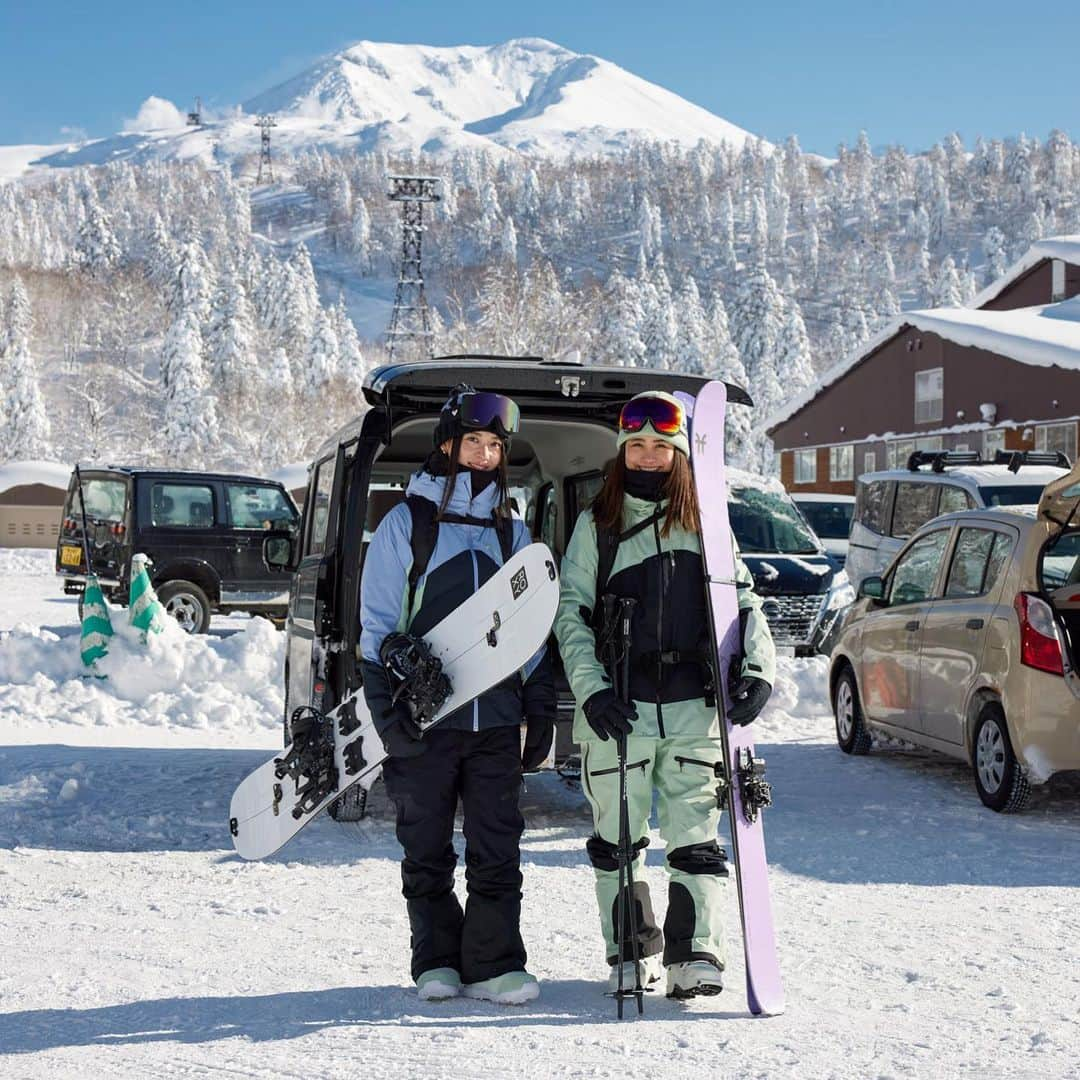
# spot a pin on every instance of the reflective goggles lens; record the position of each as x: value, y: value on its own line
x: 481, y: 410
x: 666, y: 417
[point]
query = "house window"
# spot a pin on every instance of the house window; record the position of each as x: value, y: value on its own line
x: 869, y: 461
x: 1051, y: 437
x: 776, y: 458
x: 929, y: 394
x: 899, y: 452
x: 805, y: 466
x: 993, y: 441
x: 1057, y: 282
x: 841, y: 462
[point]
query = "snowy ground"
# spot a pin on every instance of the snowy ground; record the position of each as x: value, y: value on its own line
x: 921, y: 935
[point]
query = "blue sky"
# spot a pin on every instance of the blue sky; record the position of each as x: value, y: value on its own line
x: 906, y: 72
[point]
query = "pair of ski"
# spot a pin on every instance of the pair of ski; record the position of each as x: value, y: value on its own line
x: 492, y: 635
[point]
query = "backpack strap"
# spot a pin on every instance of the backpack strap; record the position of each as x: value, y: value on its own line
x: 425, y: 533
x: 422, y: 537
x: 607, y: 547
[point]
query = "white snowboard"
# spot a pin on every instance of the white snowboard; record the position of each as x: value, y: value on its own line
x: 488, y: 638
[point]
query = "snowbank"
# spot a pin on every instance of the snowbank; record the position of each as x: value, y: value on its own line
x: 212, y: 689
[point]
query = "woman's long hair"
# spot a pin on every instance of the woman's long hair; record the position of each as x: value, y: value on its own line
x: 678, y: 491
x: 441, y: 464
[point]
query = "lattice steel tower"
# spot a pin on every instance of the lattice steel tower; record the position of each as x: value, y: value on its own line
x: 410, y: 321
x: 265, y: 123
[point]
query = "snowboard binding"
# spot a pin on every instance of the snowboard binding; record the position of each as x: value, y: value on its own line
x: 309, y: 760
x: 755, y: 792
x: 418, y: 675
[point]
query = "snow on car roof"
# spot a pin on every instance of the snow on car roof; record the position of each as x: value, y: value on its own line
x: 998, y: 475
x: 821, y: 497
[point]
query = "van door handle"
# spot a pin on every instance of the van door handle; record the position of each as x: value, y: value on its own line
x: 913, y: 624
x: 974, y: 624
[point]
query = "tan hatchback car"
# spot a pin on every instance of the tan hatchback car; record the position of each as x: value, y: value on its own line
x: 968, y: 645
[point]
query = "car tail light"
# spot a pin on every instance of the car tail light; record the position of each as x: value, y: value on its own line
x: 1039, y: 645
x: 118, y: 530
x: 69, y: 524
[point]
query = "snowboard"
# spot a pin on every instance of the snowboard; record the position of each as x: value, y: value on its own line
x: 488, y: 638
x: 747, y: 793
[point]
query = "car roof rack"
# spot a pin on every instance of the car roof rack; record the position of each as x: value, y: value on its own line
x: 1015, y: 459
x: 939, y: 459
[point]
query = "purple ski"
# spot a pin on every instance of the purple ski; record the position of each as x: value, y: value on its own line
x: 747, y: 792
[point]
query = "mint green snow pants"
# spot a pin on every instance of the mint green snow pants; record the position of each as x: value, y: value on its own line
x: 683, y: 772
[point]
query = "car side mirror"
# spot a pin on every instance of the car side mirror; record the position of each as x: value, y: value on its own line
x: 278, y: 549
x: 872, y: 587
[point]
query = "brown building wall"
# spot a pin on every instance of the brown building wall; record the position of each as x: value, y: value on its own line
x: 33, y: 495
x: 29, y: 526
x: 822, y: 483
x: 878, y: 395
x: 1034, y: 287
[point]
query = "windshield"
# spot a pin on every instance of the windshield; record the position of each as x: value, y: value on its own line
x: 768, y: 523
x: 1061, y: 562
x: 1011, y: 495
x: 105, y: 500
x: 831, y: 521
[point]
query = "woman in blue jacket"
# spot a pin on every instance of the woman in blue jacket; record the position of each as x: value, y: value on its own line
x: 474, y: 755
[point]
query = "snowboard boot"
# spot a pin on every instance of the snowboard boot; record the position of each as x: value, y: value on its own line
x: 652, y: 970
x: 438, y: 984
x: 694, y: 978
x: 513, y: 988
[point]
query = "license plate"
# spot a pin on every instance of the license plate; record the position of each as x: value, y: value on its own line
x: 70, y: 556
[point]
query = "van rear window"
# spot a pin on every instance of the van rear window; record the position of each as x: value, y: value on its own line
x: 105, y: 500
x: 1011, y: 495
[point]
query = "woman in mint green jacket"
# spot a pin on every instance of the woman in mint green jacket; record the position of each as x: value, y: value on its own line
x: 671, y: 725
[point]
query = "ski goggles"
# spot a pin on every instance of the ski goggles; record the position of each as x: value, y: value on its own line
x: 666, y: 417
x: 479, y: 410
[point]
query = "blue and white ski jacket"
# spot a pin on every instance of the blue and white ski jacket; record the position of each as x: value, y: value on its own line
x: 464, y: 558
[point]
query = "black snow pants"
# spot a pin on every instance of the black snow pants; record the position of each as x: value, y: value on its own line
x: 483, y: 769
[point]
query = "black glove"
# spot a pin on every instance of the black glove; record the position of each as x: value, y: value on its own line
x: 539, y: 731
x: 607, y: 715
x: 748, y: 697
x: 401, y: 737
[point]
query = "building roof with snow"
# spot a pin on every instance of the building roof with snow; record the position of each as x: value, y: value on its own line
x: 24, y: 473
x: 1044, y: 335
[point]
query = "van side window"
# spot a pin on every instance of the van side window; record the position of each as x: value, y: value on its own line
x: 181, y: 506
x: 916, y: 504
x: 954, y: 498
x: 872, y: 506
x: 320, y: 507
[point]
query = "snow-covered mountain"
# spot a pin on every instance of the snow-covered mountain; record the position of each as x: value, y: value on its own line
x: 527, y: 95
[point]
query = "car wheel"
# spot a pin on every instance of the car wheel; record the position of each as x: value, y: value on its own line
x: 999, y: 779
x: 851, y: 732
x: 187, y: 604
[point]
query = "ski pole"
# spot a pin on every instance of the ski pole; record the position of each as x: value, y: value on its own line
x: 627, y: 900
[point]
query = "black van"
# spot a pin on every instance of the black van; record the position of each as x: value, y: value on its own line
x: 569, y: 417
x: 203, y: 533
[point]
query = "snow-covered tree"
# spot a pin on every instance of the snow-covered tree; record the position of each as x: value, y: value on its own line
x: 190, y: 432
x: 26, y: 429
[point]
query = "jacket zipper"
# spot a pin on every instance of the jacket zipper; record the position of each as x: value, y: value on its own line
x: 630, y: 765
x: 659, y: 634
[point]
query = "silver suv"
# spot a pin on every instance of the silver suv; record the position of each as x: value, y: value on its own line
x: 891, y: 506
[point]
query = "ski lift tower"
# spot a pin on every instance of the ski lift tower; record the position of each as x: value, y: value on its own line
x: 264, y: 123
x: 194, y: 118
x: 410, y: 321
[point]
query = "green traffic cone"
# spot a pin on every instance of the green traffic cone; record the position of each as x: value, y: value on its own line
x: 145, y: 612
x: 96, y: 625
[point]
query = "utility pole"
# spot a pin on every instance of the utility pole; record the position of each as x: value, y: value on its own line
x: 409, y: 321
x: 265, y: 122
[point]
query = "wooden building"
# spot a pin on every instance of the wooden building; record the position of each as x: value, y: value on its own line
x: 31, y: 502
x: 1002, y: 373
